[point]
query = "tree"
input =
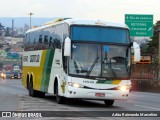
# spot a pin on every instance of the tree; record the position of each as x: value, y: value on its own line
x: 152, y: 48
x: 7, y: 32
x: 144, y: 47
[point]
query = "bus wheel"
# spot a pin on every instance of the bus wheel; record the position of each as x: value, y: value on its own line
x: 31, y: 91
x: 108, y: 102
x: 59, y: 99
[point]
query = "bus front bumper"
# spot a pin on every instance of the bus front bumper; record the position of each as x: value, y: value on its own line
x: 83, y: 93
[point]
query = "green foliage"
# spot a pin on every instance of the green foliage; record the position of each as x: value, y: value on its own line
x: 144, y: 49
x: 7, y: 32
x: 152, y: 46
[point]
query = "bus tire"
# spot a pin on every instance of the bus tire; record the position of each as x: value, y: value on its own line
x: 31, y: 91
x: 108, y: 102
x: 59, y: 99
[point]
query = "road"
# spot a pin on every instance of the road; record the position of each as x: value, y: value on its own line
x: 14, y: 97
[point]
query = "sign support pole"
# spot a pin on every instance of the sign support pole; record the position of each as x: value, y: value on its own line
x: 159, y: 46
x: 159, y: 52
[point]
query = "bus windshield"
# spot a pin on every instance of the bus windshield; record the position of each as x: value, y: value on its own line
x: 98, y: 60
x: 100, y: 34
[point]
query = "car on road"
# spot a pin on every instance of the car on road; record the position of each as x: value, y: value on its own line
x: 8, y: 74
x: 2, y: 75
x: 15, y: 75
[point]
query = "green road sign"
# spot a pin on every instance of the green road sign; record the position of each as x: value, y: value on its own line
x: 140, y: 25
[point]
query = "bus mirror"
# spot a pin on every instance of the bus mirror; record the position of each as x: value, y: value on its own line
x: 136, y: 48
x: 67, y: 47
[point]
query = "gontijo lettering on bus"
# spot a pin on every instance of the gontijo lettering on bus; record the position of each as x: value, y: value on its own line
x: 34, y: 58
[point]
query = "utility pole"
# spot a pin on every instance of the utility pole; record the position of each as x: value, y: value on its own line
x: 159, y: 44
x: 158, y: 51
x: 30, y: 14
x: 12, y: 27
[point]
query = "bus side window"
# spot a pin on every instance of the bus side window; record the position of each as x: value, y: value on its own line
x: 58, y: 36
x: 64, y: 58
x: 36, y: 38
x: 40, y: 42
x: 50, y: 42
x: 34, y: 44
x: 45, y: 42
x: 56, y: 43
x: 40, y: 38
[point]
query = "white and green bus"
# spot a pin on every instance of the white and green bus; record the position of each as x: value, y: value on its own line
x: 76, y: 58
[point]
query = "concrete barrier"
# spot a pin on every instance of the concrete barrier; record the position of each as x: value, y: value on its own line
x: 146, y: 85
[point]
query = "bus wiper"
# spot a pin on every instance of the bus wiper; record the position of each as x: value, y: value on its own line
x: 114, y: 73
x: 91, y: 68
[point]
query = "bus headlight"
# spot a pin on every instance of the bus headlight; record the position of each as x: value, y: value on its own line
x: 76, y: 85
x: 124, y: 88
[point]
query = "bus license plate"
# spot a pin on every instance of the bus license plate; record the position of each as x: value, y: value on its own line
x: 100, y: 94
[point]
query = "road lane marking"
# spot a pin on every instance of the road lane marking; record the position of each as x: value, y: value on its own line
x: 12, y: 93
x: 21, y: 99
x: 142, y: 96
x: 148, y: 107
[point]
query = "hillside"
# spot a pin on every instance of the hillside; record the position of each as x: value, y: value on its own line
x: 21, y: 21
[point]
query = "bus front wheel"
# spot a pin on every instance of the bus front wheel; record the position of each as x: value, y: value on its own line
x: 108, y: 102
x: 59, y: 99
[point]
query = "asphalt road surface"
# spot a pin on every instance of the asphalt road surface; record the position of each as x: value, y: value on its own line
x: 14, y: 97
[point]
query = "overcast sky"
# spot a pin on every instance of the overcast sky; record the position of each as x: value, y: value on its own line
x: 110, y: 10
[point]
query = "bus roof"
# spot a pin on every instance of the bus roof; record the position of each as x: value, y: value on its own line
x: 95, y: 22
x: 80, y: 22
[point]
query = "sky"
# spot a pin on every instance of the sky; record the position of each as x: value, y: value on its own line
x: 110, y: 10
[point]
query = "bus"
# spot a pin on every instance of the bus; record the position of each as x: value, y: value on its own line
x: 78, y: 58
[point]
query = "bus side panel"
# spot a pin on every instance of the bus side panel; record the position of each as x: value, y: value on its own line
x: 47, y: 69
x: 33, y: 66
x: 56, y: 71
